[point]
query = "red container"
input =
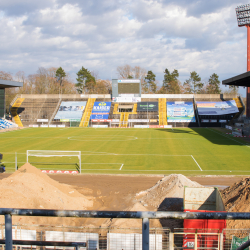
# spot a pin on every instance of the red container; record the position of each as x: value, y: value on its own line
x: 203, y: 226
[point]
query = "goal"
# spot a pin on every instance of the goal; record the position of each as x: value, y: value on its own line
x: 74, y: 157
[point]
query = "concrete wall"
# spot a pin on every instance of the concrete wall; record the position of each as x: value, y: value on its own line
x: 203, y: 199
x: 170, y: 96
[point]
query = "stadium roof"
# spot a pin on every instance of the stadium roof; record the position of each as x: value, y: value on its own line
x: 9, y: 84
x: 239, y: 80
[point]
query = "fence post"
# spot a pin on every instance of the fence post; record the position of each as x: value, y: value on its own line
x: 8, y: 232
x: 171, y: 241
x: 221, y: 239
x: 195, y: 241
x: 145, y: 234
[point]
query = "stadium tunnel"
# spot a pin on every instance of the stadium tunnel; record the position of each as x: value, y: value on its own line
x: 4, y: 84
x: 242, y: 80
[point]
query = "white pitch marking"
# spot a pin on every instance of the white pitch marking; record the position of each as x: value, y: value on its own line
x: 121, y: 167
x: 196, y: 163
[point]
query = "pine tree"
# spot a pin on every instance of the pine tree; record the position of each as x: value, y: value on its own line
x: 213, y: 84
x: 150, y: 80
x: 85, y: 81
x: 193, y: 84
x: 60, y: 74
x: 171, y: 83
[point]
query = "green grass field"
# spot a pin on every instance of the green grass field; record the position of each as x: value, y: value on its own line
x: 198, y: 151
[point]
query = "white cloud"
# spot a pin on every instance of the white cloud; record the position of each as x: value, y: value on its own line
x: 153, y: 34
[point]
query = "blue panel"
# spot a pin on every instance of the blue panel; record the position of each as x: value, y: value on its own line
x: 101, y: 110
x: 217, y: 108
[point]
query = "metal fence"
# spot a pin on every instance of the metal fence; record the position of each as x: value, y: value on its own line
x: 125, y: 238
x: 121, y: 239
x: 95, y: 238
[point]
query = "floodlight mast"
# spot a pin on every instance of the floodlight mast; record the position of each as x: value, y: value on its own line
x: 243, y: 18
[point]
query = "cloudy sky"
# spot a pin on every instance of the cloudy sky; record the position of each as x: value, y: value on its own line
x: 187, y: 35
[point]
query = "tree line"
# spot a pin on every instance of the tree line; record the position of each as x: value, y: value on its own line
x: 171, y: 83
x: 56, y: 81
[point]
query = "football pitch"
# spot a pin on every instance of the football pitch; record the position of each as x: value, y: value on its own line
x: 188, y: 151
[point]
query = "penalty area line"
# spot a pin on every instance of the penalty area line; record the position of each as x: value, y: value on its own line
x: 196, y: 163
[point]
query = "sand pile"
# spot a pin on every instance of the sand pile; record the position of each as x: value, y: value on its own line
x: 166, y: 194
x: 237, y: 199
x: 30, y: 188
x: 129, y: 223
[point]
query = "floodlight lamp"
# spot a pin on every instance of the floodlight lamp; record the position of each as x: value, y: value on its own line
x: 243, y: 14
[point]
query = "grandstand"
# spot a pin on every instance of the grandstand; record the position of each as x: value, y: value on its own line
x: 149, y: 110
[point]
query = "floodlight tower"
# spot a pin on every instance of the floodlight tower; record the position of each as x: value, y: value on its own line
x: 243, y: 18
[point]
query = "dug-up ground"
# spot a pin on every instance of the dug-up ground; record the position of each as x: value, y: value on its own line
x: 30, y: 188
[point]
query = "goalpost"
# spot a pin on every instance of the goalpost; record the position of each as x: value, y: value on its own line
x: 55, y: 153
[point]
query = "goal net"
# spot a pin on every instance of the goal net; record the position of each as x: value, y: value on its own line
x: 58, y: 159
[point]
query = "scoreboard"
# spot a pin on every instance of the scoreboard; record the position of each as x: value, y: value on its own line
x: 126, y: 87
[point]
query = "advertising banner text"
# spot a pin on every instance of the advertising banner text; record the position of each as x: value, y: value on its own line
x: 147, y: 106
x: 101, y: 110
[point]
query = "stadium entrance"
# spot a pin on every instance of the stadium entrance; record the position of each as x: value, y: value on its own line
x: 125, y: 108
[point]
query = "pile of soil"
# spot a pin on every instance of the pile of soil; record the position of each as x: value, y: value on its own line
x: 30, y: 188
x: 167, y: 195
x: 237, y: 199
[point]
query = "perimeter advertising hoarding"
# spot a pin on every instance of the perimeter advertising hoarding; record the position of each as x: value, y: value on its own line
x: 180, y: 112
x: 101, y: 110
x: 147, y: 106
x: 70, y: 111
x: 217, y: 108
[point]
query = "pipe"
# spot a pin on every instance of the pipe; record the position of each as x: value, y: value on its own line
x: 8, y: 232
x: 145, y: 234
x: 125, y: 214
x: 46, y: 243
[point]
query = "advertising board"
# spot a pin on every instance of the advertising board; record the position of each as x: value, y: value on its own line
x: 141, y: 126
x: 42, y: 120
x: 101, y: 110
x: 138, y: 120
x: 70, y: 110
x: 180, y: 112
x: 217, y: 108
x: 147, y: 106
x: 100, y: 126
x: 237, y: 131
x: 126, y: 99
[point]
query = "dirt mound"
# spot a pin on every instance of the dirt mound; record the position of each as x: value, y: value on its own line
x: 129, y: 223
x: 237, y: 199
x: 167, y: 193
x: 30, y: 188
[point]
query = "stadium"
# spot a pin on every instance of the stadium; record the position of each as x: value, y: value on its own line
x: 100, y: 144
x: 126, y: 170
